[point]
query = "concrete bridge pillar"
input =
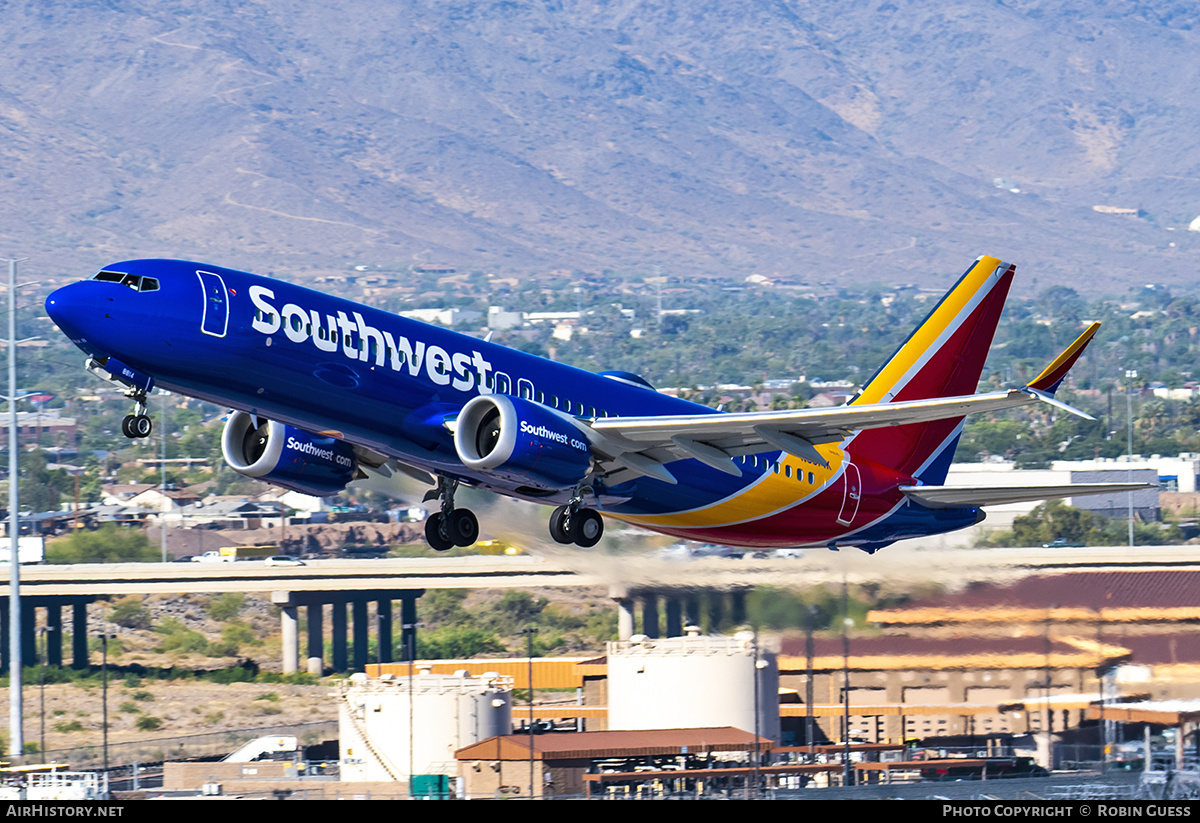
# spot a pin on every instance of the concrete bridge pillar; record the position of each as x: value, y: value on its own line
x: 408, y: 627
x: 620, y: 596
x: 383, y: 629
x: 316, y: 640
x: 28, y: 640
x: 693, y: 610
x: 650, y: 615
x: 79, y: 634
x: 737, y: 602
x: 360, y: 634
x: 674, y: 616
x: 338, y: 630
x: 289, y: 626
x: 54, y: 636
x: 338, y: 602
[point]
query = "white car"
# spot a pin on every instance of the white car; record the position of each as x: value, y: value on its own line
x: 283, y: 560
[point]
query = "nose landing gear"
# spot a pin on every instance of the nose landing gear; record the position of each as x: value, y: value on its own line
x: 138, y: 424
x: 450, y: 527
x: 136, y: 386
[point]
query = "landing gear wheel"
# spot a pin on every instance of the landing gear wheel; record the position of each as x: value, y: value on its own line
x: 586, y: 527
x: 559, y: 526
x: 134, y: 426
x: 141, y: 426
x: 434, y: 536
x: 463, y: 527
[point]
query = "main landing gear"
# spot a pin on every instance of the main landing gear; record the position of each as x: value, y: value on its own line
x: 450, y: 527
x: 574, y: 524
x: 138, y: 424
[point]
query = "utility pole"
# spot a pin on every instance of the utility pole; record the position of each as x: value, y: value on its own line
x: 1130, y: 374
x: 16, y: 732
x: 163, y: 475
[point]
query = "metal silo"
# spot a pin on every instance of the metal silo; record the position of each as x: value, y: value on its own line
x: 447, y: 712
x: 693, y: 682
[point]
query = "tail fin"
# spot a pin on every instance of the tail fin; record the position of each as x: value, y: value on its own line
x: 943, y: 357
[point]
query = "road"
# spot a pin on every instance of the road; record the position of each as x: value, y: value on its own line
x: 572, y: 569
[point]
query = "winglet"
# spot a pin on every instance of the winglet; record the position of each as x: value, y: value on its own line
x: 1053, y: 374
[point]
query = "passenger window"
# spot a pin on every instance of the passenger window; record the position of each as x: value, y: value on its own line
x: 812, y: 479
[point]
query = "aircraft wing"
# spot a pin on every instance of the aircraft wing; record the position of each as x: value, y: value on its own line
x: 631, y: 446
x: 643, y: 444
x: 952, y: 497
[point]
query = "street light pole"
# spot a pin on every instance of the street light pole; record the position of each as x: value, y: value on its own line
x: 41, y: 630
x: 16, y: 732
x: 529, y: 633
x: 1130, y: 374
x: 410, y: 651
x: 163, y: 475
x: 846, y: 623
x: 104, y: 692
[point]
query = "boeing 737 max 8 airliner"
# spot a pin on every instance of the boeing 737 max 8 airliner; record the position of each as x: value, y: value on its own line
x: 328, y: 392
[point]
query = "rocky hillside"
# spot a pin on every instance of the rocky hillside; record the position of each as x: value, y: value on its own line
x: 819, y: 139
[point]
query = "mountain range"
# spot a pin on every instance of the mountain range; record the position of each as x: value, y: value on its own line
x: 883, y: 141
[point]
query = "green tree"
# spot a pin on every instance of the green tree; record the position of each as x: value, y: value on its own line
x: 443, y: 607
x: 1050, y: 520
x: 129, y: 612
x: 226, y: 606
x: 109, y: 544
x: 453, y: 642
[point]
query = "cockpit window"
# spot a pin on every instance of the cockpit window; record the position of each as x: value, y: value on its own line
x: 134, y: 281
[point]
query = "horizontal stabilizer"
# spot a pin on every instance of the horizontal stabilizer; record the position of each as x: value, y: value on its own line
x: 953, y: 497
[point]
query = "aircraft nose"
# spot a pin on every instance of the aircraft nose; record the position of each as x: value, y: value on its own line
x: 70, y: 308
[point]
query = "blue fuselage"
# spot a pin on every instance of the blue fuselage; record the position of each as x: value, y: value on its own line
x: 370, y: 377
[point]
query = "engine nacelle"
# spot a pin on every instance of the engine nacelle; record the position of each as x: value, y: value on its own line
x: 287, y: 456
x: 522, y: 441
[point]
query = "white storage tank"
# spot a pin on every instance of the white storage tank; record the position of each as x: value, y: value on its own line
x: 447, y: 711
x: 691, y: 683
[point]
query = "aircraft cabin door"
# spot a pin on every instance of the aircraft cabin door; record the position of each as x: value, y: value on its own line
x: 215, y: 319
x: 852, y: 494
